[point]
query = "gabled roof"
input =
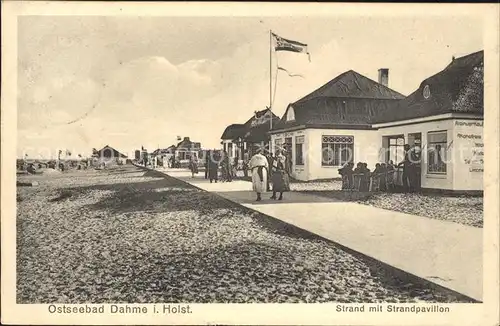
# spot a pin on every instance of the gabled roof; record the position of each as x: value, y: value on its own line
x: 457, y: 88
x: 254, y: 129
x: 257, y: 127
x: 350, y: 100
x: 353, y: 85
x: 115, y: 152
x: 328, y: 112
x: 233, y: 131
x: 167, y: 150
x: 260, y: 115
x: 186, y: 143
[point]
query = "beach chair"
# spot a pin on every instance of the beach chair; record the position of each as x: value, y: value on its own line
x: 357, y: 179
x: 389, y: 180
x: 345, y: 183
x: 375, y: 182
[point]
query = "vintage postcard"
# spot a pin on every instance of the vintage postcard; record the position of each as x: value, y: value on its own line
x: 250, y: 163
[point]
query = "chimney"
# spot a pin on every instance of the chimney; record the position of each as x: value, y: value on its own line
x: 383, y: 76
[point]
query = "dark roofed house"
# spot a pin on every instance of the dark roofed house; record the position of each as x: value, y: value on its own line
x: 233, y: 132
x: 110, y: 155
x: 457, y: 88
x: 443, y: 120
x: 247, y: 137
x: 353, y: 118
x: 185, y: 149
x: 325, y: 124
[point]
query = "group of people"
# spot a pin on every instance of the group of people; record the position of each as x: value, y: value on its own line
x: 348, y: 171
x: 265, y: 170
x: 270, y: 169
x: 410, y: 166
x: 214, y: 161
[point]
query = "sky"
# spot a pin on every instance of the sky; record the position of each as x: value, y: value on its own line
x: 89, y: 81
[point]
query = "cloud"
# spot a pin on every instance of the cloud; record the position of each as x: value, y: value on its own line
x: 56, y: 101
x: 137, y: 82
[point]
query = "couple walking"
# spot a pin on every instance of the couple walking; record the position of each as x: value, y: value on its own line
x: 259, y: 165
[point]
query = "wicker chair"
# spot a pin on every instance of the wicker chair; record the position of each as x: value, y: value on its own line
x: 375, y: 182
x: 389, y: 180
x: 357, y: 179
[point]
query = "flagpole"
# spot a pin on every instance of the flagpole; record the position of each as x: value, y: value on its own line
x: 270, y: 82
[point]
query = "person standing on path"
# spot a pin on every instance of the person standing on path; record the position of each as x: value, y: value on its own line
x: 281, y: 180
x: 235, y: 167
x: 226, y: 167
x: 245, y: 164
x: 270, y: 160
x: 259, y: 167
x: 288, y: 155
x: 193, y: 166
x: 408, y: 170
x: 207, y: 159
x: 213, y: 166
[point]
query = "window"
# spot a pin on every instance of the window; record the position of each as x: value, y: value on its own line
x: 224, y: 146
x: 288, y: 148
x: 437, y: 145
x: 290, y: 115
x: 343, y: 110
x: 278, y: 144
x: 337, y: 150
x: 230, y: 149
x: 396, y: 149
x: 299, y: 154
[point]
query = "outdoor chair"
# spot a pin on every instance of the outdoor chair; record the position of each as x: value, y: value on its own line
x: 389, y: 180
x: 357, y: 179
x: 345, y: 183
x: 375, y: 182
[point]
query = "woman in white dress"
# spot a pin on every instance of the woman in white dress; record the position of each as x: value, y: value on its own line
x: 259, y: 166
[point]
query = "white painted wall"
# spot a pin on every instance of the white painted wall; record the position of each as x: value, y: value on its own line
x: 299, y: 172
x: 369, y: 148
x: 434, y: 181
x: 366, y: 149
x: 231, y: 153
x: 468, y: 149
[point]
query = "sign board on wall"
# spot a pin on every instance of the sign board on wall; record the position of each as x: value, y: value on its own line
x: 470, y: 144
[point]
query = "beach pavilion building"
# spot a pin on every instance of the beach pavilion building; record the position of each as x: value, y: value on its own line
x: 238, y: 139
x: 355, y: 118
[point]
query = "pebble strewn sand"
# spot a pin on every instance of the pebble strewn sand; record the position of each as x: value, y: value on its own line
x: 126, y: 236
x: 463, y: 210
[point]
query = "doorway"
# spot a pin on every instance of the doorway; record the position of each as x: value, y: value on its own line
x: 415, y: 142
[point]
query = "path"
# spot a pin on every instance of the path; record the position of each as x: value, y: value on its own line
x: 445, y: 253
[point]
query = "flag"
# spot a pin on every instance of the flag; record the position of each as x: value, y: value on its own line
x: 289, y: 74
x: 283, y: 44
x: 268, y: 113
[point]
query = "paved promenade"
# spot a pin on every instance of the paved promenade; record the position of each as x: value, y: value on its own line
x: 446, y: 253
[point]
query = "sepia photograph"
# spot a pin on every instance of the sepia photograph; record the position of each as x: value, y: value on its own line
x: 166, y: 159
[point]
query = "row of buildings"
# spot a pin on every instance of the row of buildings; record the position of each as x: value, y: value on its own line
x: 181, y: 153
x: 354, y: 118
